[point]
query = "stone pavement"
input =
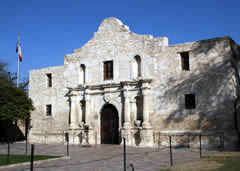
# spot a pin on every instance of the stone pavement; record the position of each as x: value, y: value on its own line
x: 101, y: 157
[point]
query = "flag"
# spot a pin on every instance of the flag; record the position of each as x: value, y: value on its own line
x: 18, y: 50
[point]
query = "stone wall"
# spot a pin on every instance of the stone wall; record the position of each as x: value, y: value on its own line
x: 43, y: 95
x: 211, y: 79
x: 111, y: 44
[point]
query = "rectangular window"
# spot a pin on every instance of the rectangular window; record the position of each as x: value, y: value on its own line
x: 185, y: 61
x: 108, y: 70
x: 190, y: 101
x: 49, y: 80
x: 48, y: 110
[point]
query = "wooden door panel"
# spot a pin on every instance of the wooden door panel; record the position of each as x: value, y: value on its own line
x: 109, y: 126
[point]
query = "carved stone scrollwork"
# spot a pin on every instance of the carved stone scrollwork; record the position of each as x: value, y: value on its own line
x: 81, y: 97
x: 81, y: 125
x: 137, y: 123
x: 107, y: 98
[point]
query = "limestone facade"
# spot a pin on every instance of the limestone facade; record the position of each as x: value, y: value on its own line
x: 149, y: 89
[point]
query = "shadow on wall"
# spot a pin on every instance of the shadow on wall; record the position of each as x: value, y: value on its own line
x: 210, y: 83
x: 10, y: 132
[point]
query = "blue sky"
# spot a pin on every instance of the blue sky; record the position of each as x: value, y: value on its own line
x: 52, y: 28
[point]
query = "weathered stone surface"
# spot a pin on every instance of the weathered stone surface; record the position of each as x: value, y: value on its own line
x: 42, y: 95
x: 156, y: 97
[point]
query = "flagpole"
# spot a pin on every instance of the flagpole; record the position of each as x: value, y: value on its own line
x: 18, y: 73
x: 18, y: 63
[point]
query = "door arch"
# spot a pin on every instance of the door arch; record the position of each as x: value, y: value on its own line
x: 109, y: 124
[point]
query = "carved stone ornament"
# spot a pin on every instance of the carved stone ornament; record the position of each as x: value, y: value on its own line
x: 81, y: 97
x: 137, y: 123
x: 107, y: 98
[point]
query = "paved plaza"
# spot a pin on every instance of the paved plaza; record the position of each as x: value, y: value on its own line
x: 101, y: 157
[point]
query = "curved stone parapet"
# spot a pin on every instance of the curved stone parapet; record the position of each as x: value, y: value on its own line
x: 113, y: 25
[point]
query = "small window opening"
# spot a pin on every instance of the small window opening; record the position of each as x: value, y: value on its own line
x: 137, y: 67
x: 83, y: 108
x: 190, y: 101
x: 82, y: 79
x: 48, y: 110
x: 108, y: 70
x: 49, y: 80
x: 185, y: 61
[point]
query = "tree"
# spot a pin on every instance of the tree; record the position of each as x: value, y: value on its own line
x: 14, y: 102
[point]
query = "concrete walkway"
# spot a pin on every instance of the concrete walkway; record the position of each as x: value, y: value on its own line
x: 101, y: 157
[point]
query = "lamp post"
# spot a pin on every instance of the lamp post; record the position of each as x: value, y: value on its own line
x: 67, y: 140
x: 27, y: 128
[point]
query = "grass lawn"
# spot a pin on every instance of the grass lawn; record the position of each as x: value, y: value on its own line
x: 222, y: 161
x: 21, y: 158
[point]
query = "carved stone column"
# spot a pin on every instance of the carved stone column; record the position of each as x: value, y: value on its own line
x: 147, y: 131
x: 88, y: 107
x: 80, y: 112
x: 74, y: 113
x: 133, y: 105
x: 127, y: 111
x: 146, y: 123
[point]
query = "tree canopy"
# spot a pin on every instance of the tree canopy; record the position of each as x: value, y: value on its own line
x: 14, y: 102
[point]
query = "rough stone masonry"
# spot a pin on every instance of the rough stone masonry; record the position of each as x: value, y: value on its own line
x: 121, y: 84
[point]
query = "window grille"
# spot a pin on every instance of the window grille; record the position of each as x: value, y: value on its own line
x: 108, y: 70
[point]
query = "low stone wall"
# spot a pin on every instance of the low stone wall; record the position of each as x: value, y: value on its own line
x: 75, y: 137
x: 47, y: 137
x: 138, y: 137
x: 191, y: 139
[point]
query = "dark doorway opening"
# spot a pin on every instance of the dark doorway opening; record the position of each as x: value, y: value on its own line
x: 109, y: 125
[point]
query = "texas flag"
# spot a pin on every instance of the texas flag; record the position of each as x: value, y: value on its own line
x: 18, y: 50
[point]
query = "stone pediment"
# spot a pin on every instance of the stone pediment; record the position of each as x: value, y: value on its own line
x: 114, y: 39
x: 109, y: 26
x: 112, y: 25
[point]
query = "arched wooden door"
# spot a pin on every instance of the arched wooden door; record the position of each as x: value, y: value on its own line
x: 109, y: 125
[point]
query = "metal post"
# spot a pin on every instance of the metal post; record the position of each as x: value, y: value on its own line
x: 8, y: 153
x: 200, y: 140
x: 170, y: 148
x: 131, y: 138
x: 188, y: 142
x: 67, y: 148
x: 220, y: 141
x: 158, y: 141
x: 26, y: 150
x: 223, y: 142
x: 124, y: 154
x: 95, y: 139
x: 73, y: 137
x: 67, y: 139
x: 32, y: 156
x: 15, y: 138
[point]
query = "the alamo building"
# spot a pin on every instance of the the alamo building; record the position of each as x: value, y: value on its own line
x: 120, y: 83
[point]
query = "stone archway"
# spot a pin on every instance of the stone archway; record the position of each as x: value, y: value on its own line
x: 109, y: 125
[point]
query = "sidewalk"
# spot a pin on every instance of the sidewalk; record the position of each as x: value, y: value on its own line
x: 100, y: 158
